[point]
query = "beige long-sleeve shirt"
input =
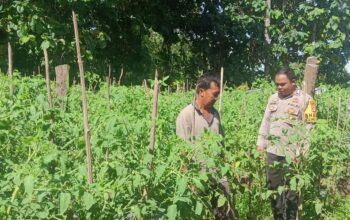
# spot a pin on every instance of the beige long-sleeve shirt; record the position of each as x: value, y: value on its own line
x: 184, y: 122
x: 283, y: 130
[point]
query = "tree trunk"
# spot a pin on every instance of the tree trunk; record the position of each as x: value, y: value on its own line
x: 267, y: 39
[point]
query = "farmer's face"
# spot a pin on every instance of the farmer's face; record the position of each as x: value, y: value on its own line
x: 209, y: 96
x: 284, y: 85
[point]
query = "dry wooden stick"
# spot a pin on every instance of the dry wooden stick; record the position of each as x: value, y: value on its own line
x: 121, y: 75
x: 221, y: 90
x: 347, y: 109
x: 47, y: 73
x: 109, y: 87
x: 10, y: 71
x: 154, y: 116
x: 339, y: 111
x: 85, y: 111
x: 193, y: 137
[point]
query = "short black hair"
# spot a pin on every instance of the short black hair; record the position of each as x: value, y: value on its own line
x: 288, y: 72
x: 205, y: 80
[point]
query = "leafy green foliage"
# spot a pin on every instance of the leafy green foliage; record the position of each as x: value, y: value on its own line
x: 43, y: 157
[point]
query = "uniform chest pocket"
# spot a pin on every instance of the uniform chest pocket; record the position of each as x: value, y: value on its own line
x: 292, y: 112
x: 273, y: 107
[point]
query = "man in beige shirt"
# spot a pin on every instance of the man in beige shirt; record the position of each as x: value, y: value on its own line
x: 199, y: 116
x: 283, y: 135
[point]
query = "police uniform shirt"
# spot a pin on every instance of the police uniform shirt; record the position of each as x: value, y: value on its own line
x: 281, y: 130
x: 185, y: 120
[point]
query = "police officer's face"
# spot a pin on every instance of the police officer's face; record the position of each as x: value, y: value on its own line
x: 284, y: 85
x: 209, y: 96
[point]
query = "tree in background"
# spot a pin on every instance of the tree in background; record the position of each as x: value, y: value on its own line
x: 180, y: 38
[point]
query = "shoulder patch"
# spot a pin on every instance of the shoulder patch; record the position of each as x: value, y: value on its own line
x: 310, y: 113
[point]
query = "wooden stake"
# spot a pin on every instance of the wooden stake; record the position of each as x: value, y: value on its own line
x: 347, y: 109
x: 339, y: 111
x: 108, y: 86
x: 154, y: 116
x: 47, y: 73
x: 221, y: 90
x: 10, y: 71
x: 85, y: 111
x: 193, y: 137
x: 310, y: 75
x: 62, y: 83
x: 244, y: 105
x: 121, y: 75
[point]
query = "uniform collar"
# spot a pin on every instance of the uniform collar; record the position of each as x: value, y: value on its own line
x: 296, y: 92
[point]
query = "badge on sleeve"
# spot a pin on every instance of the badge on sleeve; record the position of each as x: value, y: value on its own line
x: 310, y: 114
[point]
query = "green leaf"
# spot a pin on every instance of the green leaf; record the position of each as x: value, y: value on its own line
x: 29, y: 184
x: 24, y: 39
x: 64, y: 202
x: 221, y: 201
x: 172, y: 212
x: 318, y: 207
x: 181, y: 185
x: 45, y: 44
x: 199, y: 208
x: 198, y: 184
x: 159, y: 172
x: 280, y: 190
x: 293, y: 184
x: 88, y: 200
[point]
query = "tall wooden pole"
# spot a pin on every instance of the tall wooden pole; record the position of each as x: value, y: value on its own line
x: 154, y: 116
x: 221, y: 90
x: 10, y: 71
x: 47, y: 73
x: 121, y: 75
x: 347, y: 110
x: 339, y: 112
x: 109, y: 86
x: 85, y: 111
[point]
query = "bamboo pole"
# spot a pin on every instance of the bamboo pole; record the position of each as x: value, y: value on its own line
x: 221, y: 90
x: 85, y: 111
x: 47, y: 73
x: 10, y: 70
x: 109, y: 87
x: 121, y: 75
x: 154, y: 117
x: 339, y: 112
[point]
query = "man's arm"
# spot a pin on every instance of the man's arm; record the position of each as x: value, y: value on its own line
x: 264, y: 131
x: 183, y: 128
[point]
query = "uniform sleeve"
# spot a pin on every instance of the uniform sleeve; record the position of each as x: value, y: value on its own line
x: 264, y: 129
x: 309, y: 125
x: 183, y: 128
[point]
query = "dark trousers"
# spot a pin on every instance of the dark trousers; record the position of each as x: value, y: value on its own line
x: 284, y: 206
